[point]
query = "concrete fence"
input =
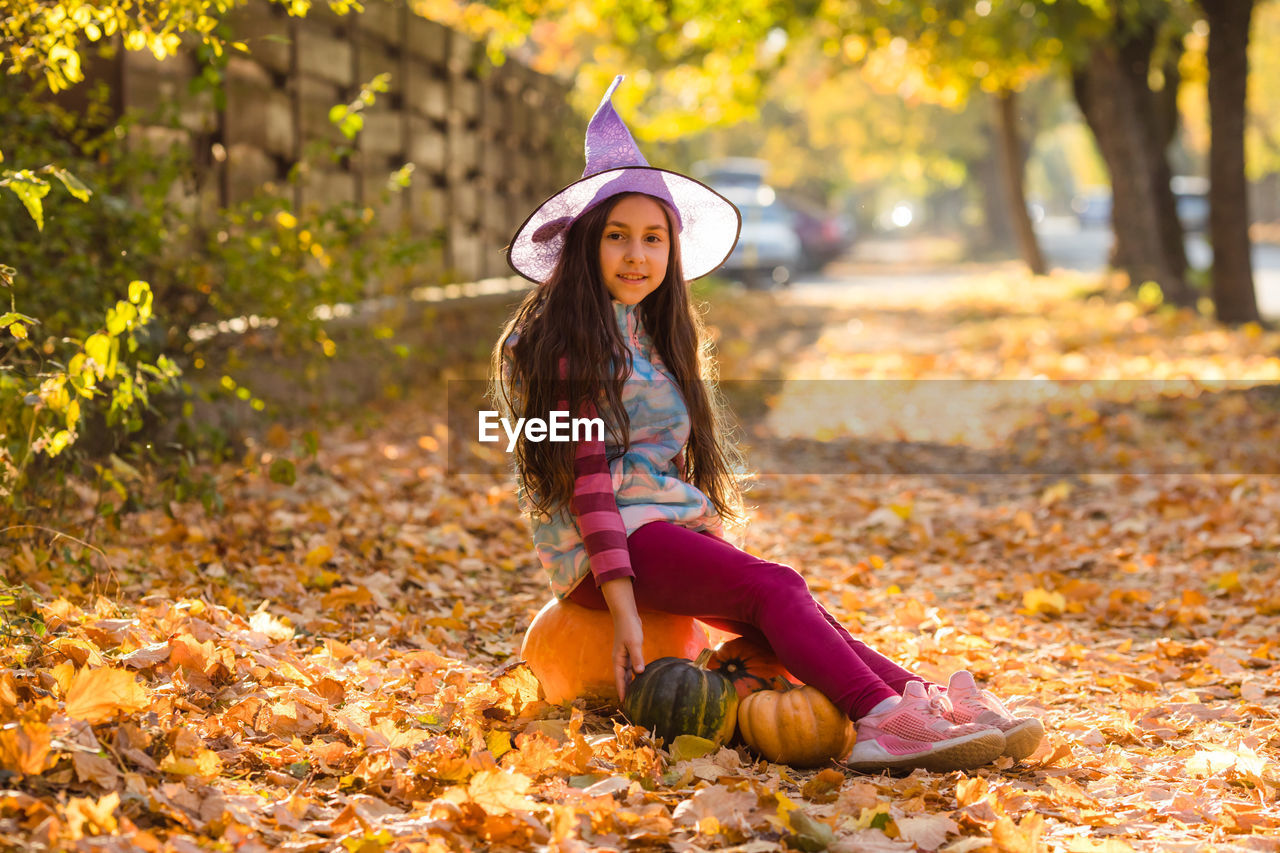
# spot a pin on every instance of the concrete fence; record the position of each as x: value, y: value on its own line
x: 487, y: 142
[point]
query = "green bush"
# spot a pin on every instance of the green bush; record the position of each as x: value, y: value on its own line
x: 103, y: 295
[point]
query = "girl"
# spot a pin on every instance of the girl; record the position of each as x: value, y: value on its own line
x: 632, y: 520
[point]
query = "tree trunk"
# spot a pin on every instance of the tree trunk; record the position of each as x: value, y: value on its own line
x: 1233, y: 293
x: 1162, y: 119
x: 1121, y: 110
x: 1012, y: 167
x: 997, y: 233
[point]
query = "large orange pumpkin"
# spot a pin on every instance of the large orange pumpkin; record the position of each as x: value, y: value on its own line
x: 800, y: 726
x: 751, y: 666
x: 570, y: 648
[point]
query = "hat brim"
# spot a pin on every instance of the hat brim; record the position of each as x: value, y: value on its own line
x: 709, y: 222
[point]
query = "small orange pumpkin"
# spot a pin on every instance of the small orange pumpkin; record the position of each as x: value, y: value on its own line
x: 751, y: 666
x: 570, y: 648
x: 798, y: 726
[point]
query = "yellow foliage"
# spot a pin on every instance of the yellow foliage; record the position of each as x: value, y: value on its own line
x: 97, y: 695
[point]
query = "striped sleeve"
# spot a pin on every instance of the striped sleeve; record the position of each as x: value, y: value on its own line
x: 595, y: 507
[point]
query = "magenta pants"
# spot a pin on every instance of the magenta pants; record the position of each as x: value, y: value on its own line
x: 696, y: 574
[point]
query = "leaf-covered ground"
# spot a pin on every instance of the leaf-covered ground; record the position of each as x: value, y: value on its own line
x: 326, y: 666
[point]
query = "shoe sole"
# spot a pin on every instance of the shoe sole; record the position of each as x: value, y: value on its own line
x: 1022, y: 740
x: 963, y: 754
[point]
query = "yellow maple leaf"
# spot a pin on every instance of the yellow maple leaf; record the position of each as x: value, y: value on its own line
x: 204, y: 764
x: 1216, y: 761
x: 687, y: 747
x: 785, y: 808
x: 24, y: 748
x: 1011, y: 837
x: 356, y: 596
x: 501, y: 791
x: 318, y: 556
x: 85, y: 814
x: 498, y: 742
x: 1059, y: 491
x: 1040, y: 600
x: 1228, y: 582
x: 64, y: 673
x: 970, y: 791
x: 81, y: 652
x: 96, y: 695
x: 206, y: 658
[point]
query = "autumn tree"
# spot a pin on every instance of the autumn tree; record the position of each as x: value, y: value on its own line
x: 1116, y: 56
x: 1121, y: 59
x: 1262, y: 129
x: 1228, y: 56
x: 864, y: 130
x: 960, y: 52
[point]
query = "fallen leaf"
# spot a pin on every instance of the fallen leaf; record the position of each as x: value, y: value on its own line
x: 97, y: 769
x: 810, y: 834
x: 607, y: 787
x: 686, y: 747
x: 500, y: 791
x: 24, y: 747
x: 970, y: 790
x: 87, y: 816
x: 81, y: 652
x: 97, y: 695
x: 1041, y: 601
x: 1099, y: 845
x: 147, y: 656
x: 1019, y: 837
x: 927, y: 832
x: 824, y: 787
x: 346, y: 596
x: 1215, y: 761
x: 203, y: 764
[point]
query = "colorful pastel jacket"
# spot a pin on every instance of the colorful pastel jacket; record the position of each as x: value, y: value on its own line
x: 613, y: 496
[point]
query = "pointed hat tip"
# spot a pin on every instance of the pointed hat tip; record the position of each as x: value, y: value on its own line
x: 606, y: 103
x: 609, y: 144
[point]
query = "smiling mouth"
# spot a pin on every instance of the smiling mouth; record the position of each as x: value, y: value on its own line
x: 632, y: 277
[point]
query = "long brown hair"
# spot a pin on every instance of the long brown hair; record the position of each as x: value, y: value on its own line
x: 569, y: 320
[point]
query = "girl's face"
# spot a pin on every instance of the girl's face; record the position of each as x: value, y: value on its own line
x: 634, y: 249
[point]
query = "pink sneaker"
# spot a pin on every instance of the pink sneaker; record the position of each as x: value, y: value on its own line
x: 915, y: 733
x: 971, y: 704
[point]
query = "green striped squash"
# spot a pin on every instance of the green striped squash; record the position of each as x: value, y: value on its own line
x: 677, y: 696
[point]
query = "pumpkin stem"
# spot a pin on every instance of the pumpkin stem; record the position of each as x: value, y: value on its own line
x: 703, y: 657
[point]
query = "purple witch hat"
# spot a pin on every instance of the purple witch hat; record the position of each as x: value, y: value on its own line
x: 707, y: 221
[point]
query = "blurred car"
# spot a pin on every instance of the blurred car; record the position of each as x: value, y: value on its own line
x: 1093, y: 208
x: 823, y: 236
x: 1036, y: 210
x: 1190, y: 197
x: 731, y: 172
x: 769, y: 251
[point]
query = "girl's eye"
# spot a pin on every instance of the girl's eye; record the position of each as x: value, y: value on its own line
x: 654, y: 238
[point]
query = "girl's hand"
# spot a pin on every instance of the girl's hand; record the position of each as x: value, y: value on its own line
x: 628, y: 652
x: 628, y: 633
